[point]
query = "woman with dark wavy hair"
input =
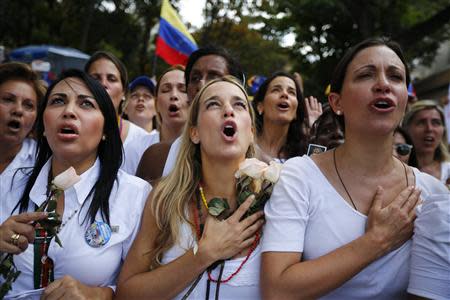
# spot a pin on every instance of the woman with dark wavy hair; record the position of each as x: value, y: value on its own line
x: 280, y: 116
x: 339, y: 224
x: 76, y: 127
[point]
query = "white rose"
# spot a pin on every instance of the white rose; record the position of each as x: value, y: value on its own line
x: 66, y: 179
x: 272, y: 172
x: 251, y: 167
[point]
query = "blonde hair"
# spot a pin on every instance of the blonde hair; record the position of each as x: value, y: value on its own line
x: 171, y: 209
x: 441, y: 153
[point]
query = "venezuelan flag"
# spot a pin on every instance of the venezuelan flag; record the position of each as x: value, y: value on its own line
x: 174, y: 43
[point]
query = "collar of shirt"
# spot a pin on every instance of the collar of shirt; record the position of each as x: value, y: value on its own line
x: 24, y: 158
x: 81, y: 188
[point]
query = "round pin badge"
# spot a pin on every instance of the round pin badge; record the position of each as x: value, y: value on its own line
x: 98, y: 234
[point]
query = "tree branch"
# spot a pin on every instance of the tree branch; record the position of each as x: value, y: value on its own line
x: 416, y: 33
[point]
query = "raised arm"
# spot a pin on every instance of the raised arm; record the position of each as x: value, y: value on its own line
x: 220, y: 240
x: 285, y: 276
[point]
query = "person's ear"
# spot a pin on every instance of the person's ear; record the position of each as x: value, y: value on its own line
x: 193, y: 134
x: 335, y: 103
x: 260, y: 108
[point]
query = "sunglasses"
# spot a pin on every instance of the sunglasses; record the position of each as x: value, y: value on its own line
x: 403, y: 149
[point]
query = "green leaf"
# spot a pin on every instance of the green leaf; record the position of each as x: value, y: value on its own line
x: 243, y: 195
x: 218, y: 206
x: 58, y: 241
x: 51, y: 205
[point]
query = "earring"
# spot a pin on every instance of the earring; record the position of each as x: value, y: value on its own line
x: 338, y: 112
x: 43, y: 134
x: 103, y: 137
x: 260, y: 113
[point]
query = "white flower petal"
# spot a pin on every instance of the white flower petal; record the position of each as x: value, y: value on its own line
x: 66, y: 179
x: 252, y: 167
x: 272, y: 172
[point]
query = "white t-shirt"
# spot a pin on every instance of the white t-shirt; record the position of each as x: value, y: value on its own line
x: 172, y: 156
x: 306, y: 214
x: 92, y: 266
x: 430, y: 258
x: 14, y: 178
x: 137, y: 141
x: 445, y: 171
x: 245, y: 285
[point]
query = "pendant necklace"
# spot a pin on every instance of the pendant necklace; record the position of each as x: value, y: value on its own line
x: 345, y: 188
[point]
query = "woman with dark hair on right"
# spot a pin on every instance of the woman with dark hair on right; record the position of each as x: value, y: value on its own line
x: 280, y: 114
x: 339, y: 224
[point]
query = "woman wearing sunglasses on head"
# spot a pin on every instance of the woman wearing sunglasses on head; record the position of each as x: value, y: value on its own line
x: 425, y: 123
x: 402, y: 147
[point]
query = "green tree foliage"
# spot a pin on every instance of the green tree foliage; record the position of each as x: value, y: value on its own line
x: 257, y: 55
x: 324, y: 29
x: 119, y: 26
x: 228, y: 24
x: 252, y: 29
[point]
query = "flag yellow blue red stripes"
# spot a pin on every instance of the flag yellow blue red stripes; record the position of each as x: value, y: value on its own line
x: 174, y: 43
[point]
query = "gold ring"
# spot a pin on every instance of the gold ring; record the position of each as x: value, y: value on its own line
x: 15, y: 239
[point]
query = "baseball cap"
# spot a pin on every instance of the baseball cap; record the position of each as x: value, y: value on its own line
x: 142, y: 81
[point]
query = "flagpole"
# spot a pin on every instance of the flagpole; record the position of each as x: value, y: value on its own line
x: 155, y: 58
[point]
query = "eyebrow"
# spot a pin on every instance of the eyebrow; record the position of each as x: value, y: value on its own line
x: 373, y: 67
x: 79, y: 96
x: 280, y: 86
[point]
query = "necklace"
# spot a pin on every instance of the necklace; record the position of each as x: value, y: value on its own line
x: 199, y: 233
x: 67, y: 220
x: 342, y: 182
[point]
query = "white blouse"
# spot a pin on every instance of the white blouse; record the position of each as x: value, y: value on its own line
x: 92, y: 266
x: 430, y: 257
x: 137, y: 141
x: 244, y: 285
x: 305, y: 214
x: 14, y: 178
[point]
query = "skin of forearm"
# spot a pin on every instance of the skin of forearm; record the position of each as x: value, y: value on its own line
x: 166, y: 281
x: 105, y: 293
x: 315, y: 278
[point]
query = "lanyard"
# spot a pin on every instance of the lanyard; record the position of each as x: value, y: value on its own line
x: 43, y: 268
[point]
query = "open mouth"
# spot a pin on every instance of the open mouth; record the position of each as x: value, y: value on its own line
x: 229, y: 131
x: 173, y: 108
x: 383, y: 104
x: 283, y: 105
x: 68, y: 130
x: 14, y: 124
